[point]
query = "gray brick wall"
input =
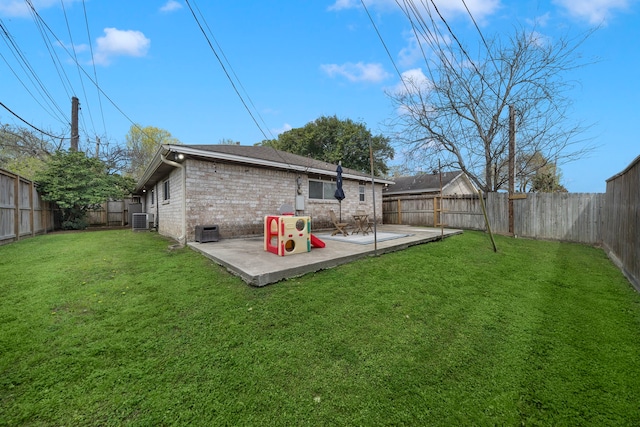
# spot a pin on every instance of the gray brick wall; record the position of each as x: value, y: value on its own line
x: 237, y: 198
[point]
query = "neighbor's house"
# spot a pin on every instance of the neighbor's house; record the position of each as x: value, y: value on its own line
x: 411, y: 199
x: 455, y: 182
x: 235, y: 186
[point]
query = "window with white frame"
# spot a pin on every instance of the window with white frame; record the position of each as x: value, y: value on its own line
x: 153, y: 197
x: 361, y: 191
x: 322, y: 190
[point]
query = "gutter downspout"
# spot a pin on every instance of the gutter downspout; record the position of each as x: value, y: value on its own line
x: 183, y: 238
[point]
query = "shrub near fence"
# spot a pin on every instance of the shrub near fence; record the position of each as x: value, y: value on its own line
x: 22, y: 211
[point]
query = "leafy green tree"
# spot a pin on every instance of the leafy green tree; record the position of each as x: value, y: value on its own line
x: 142, y: 144
x: 76, y: 183
x: 332, y: 140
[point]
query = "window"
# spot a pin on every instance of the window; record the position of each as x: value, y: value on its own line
x: 322, y: 190
x: 167, y: 190
x: 153, y: 197
x: 361, y: 191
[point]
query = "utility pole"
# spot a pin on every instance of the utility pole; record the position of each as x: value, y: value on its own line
x: 512, y: 164
x: 97, y: 147
x: 74, y: 124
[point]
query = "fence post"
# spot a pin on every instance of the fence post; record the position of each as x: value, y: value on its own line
x: 31, y: 211
x: 16, y: 203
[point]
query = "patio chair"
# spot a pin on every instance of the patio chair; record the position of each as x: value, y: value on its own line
x: 340, y: 226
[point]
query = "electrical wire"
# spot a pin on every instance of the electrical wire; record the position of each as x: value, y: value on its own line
x: 31, y: 74
x: 25, y: 86
x: 95, y: 73
x: 75, y: 57
x: 233, y: 71
x: 225, y: 69
x: 40, y: 24
x: 375, y: 27
x: 464, y: 51
x: 484, y: 41
x: 29, y: 124
x: 277, y: 152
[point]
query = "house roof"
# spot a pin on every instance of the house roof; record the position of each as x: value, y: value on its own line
x: 423, y: 183
x: 258, y: 156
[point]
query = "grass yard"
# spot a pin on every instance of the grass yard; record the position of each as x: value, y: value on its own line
x: 113, y: 328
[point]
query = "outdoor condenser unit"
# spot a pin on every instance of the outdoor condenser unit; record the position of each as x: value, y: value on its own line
x: 142, y: 221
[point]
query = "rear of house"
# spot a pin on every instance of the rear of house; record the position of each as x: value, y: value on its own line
x: 235, y: 187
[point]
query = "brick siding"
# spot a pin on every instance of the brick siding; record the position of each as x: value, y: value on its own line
x: 237, y: 198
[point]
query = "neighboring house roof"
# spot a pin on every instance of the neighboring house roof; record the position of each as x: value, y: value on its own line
x: 254, y: 155
x: 424, y: 183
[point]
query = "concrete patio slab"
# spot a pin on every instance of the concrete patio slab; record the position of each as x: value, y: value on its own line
x: 245, y: 257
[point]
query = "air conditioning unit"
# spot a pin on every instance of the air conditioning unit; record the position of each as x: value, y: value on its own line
x: 142, y: 221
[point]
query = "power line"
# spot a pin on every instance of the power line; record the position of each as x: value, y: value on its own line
x: 28, y: 70
x: 29, y: 124
x: 40, y: 24
x: 233, y: 71
x: 464, y: 51
x: 375, y: 27
x: 225, y: 69
x: 75, y: 56
x: 94, y: 82
x: 477, y: 27
x: 95, y: 73
x: 21, y: 58
x: 277, y: 152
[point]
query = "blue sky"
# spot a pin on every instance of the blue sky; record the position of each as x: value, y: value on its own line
x: 292, y: 61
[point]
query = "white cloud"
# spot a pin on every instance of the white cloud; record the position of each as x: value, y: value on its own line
x: 410, y: 54
x: 594, y: 11
x: 170, y: 6
x: 358, y: 72
x: 412, y: 81
x: 344, y: 4
x: 480, y: 9
x: 20, y: 8
x: 539, y: 21
x: 283, y: 129
x: 380, y: 5
x: 120, y: 43
x: 77, y: 48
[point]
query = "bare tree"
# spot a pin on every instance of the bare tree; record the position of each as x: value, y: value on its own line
x: 24, y: 151
x: 116, y: 157
x: 457, y: 112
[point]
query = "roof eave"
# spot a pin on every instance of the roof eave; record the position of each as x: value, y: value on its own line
x: 152, y: 168
x: 248, y: 160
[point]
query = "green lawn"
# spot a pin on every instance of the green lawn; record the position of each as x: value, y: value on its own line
x: 114, y: 328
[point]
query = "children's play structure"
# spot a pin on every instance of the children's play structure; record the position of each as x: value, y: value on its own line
x: 288, y: 235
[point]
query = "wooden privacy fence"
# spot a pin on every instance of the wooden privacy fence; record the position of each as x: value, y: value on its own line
x: 574, y: 217
x: 111, y: 213
x: 621, y: 230
x: 22, y: 211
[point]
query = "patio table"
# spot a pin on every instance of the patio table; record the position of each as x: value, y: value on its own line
x: 361, y: 220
